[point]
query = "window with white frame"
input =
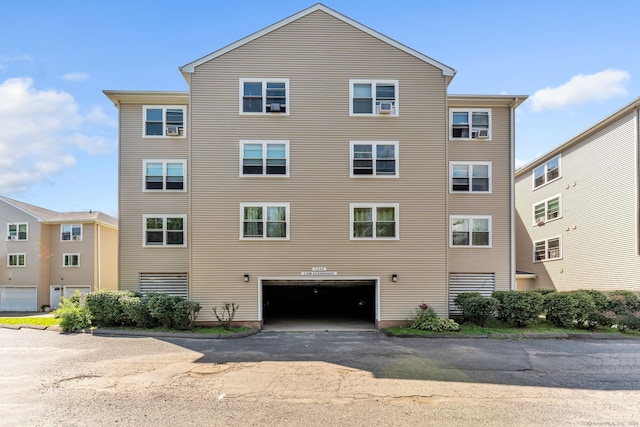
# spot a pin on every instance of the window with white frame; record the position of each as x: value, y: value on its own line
x: 262, y: 158
x: 470, y: 231
x: 264, y: 221
x: 164, y: 121
x: 374, y: 159
x: 262, y: 96
x: 472, y: 177
x: 547, y: 210
x: 18, y: 231
x: 373, y: 97
x: 374, y: 221
x: 470, y: 123
x: 547, y: 250
x: 71, y: 260
x: 16, y: 260
x: 543, y: 174
x: 164, y: 230
x: 69, y: 232
x: 164, y: 175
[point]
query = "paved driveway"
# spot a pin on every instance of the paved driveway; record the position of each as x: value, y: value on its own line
x: 313, y: 379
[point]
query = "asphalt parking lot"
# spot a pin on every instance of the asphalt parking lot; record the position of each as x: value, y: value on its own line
x: 313, y: 379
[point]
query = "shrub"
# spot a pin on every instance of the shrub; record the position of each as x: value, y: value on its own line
x: 106, y: 307
x: 561, y: 309
x: 604, y: 319
x: 544, y: 291
x: 520, y: 308
x: 437, y: 325
x: 478, y: 309
x: 600, y: 299
x: 629, y: 321
x: 136, y: 311
x: 226, y: 314
x: 623, y: 302
x: 161, y: 308
x: 184, y: 314
x: 462, y: 297
x: 584, y: 306
x: 73, y: 315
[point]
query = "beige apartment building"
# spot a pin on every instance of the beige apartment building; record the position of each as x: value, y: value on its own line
x: 316, y: 167
x: 577, y: 225
x: 48, y: 255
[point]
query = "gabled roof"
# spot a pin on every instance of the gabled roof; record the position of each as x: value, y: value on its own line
x: 190, y: 67
x: 49, y: 216
x: 633, y: 105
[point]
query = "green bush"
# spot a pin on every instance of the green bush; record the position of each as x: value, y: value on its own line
x: 184, y: 314
x: 600, y: 299
x: 519, y: 308
x: 161, y: 308
x: 605, y: 319
x: 561, y: 309
x: 462, y: 297
x: 584, y: 306
x: 478, y: 309
x: 437, y: 325
x: 622, y: 302
x: 73, y: 315
x: 136, y: 311
x: 107, y: 309
x: 544, y: 291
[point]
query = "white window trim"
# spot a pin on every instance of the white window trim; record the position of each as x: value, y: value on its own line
x: 264, y: 143
x: 17, y: 236
x: 546, y: 249
x: 9, y: 255
x: 396, y: 149
x: 470, y: 110
x: 533, y: 172
x: 265, y: 205
x: 264, y: 82
x: 470, y: 165
x: 164, y: 230
x: 373, y: 207
x: 164, y: 121
x: 546, y: 210
x: 164, y: 175
x: 470, y: 245
x: 64, y: 260
x: 396, y: 110
x: 71, y: 239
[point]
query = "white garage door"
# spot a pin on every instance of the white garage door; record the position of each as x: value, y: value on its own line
x: 70, y: 290
x: 16, y: 298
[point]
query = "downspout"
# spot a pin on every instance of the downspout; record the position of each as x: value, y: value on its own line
x: 512, y: 179
x: 99, y: 260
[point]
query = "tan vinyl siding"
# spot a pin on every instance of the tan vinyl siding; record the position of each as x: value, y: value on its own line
x: 496, y: 150
x: 599, y: 188
x: 107, y: 256
x: 72, y: 276
x: 313, y: 55
x: 134, y: 203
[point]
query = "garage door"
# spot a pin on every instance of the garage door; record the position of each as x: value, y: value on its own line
x: 16, y: 298
x: 70, y: 290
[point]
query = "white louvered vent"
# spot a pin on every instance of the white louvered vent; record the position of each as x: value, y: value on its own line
x: 176, y: 284
x: 484, y: 283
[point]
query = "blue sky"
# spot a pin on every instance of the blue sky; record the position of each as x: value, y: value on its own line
x: 577, y: 60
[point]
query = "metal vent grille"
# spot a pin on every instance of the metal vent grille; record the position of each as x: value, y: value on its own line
x: 176, y: 284
x: 484, y: 283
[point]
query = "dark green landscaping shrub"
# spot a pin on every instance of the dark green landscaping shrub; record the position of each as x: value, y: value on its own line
x: 628, y: 321
x: 584, y: 306
x: 623, y: 302
x: 161, y: 308
x: 426, y: 319
x: 479, y: 309
x: 184, y: 314
x: 561, y: 309
x: 106, y: 307
x: 137, y: 312
x: 601, y: 319
x: 543, y: 291
x: 600, y: 299
x: 73, y: 314
x: 461, y: 297
x: 519, y: 308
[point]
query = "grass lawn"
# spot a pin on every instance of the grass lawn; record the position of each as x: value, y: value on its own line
x: 495, y: 327
x: 41, y: 321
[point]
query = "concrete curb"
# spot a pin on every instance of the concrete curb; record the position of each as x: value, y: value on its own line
x: 523, y: 336
x: 152, y: 334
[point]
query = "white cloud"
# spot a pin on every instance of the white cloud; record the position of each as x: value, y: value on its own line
x: 520, y: 163
x: 76, y: 77
x: 580, y: 89
x: 42, y: 130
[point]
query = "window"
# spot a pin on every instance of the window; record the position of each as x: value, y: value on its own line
x: 71, y: 260
x: 470, y: 124
x: 264, y: 221
x: 547, y: 210
x: 471, y: 231
x: 18, y: 231
x: 16, y: 260
x: 70, y: 232
x: 378, y: 159
x: 164, y: 121
x: 164, y: 230
x: 164, y: 175
x: 470, y: 177
x: 260, y: 158
x: 546, y: 250
x: 546, y: 173
x: 259, y: 96
x: 374, y: 221
x: 368, y: 97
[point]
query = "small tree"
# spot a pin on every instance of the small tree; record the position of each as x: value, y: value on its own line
x: 225, y: 314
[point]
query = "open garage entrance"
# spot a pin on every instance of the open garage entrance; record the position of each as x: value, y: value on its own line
x: 319, y: 304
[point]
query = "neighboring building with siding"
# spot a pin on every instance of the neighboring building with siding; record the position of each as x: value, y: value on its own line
x: 577, y: 207
x: 316, y: 166
x: 48, y: 254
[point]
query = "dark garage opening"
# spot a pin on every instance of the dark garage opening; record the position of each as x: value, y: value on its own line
x: 326, y: 303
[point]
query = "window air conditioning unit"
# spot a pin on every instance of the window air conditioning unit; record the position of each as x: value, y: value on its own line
x: 386, y: 107
x: 482, y: 133
x: 76, y: 237
x: 540, y: 222
x: 173, y: 130
x: 275, y: 107
x: 11, y: 237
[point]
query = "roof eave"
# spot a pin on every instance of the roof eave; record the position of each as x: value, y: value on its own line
x: 146, y: 96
